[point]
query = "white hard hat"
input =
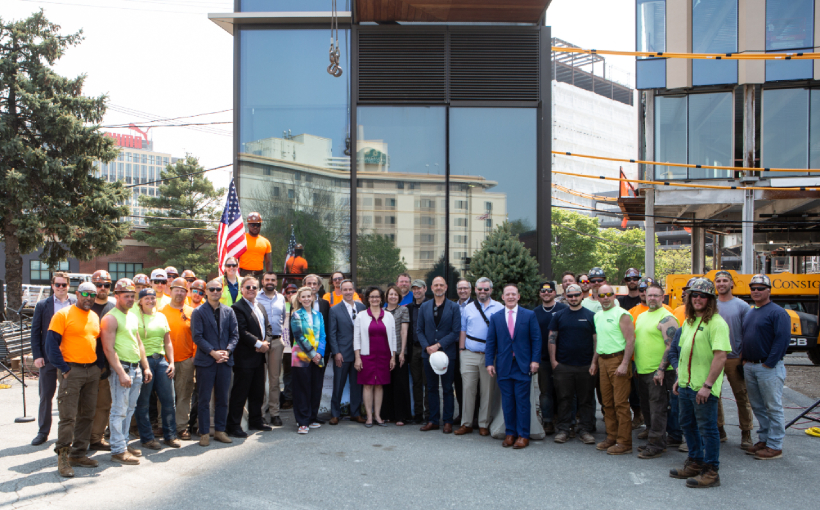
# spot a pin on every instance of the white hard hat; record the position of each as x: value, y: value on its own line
x: 159, y: 274
x: 439, y: 362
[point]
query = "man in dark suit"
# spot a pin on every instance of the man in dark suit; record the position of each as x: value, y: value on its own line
x: 216, y: 333
x: 515, y: 338
x: 438, y: 328
x: 340, y: 337
x: 255, y: 335
x: 43, y: 313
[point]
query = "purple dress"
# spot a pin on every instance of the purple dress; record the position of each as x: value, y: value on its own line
x: 376, y: 365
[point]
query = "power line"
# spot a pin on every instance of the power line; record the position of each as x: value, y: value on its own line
x: 168, y: 125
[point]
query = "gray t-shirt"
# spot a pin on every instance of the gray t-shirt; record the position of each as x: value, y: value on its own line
x: 733, y: 312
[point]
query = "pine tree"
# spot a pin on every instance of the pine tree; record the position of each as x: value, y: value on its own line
x: 504, y: 259
x: 188, y: 242
x: 379, y: 261
x: 49, y: 141
x: 453, y: 276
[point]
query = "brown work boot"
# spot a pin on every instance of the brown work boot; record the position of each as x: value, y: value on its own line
x: 605, y: 444
x: 549, y: 428
x: 745, y: 439
x: 173, y: 442
x: 83, y: 462
x: 619, y: 449
x: 644, y: 434
x: 63, y: 464
x: 152, y: 445
x: 101, y: 446
x: 184, y: 435
x: 690, y: 469
x: 650, y: 452
x: 125, y: 458
x: 204, y: 440
x: 768, y: 453
x: 222, y: 437
x: 586, y: 437
x: 134, y: 451
x: 464, y: 429
x: 637, y: 420
x: 561, y: 437
x: 708, y: 477
x: 756, y: 448
x: 723, y: 436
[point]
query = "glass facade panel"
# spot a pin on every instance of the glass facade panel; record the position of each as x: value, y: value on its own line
x: 40, y: 274
x: 400, y: 172
x: 670, y: 136
x: 814, y: 130
x: 650, y: 27
x: 123, y: 270
x: 492, y: 176
x: 785, y: 139
x: 291, y: 5
x: 714, y: 30
x: 789, y: 26
x: 651, y: 74
x: 292, y: 124
x: 710, y: 134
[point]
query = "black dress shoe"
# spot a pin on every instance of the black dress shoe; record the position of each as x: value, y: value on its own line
x: 39, y: 439
x: 320, y: 422
x: 260, y: 426
x: 237, y: 433
x: 276, y: 421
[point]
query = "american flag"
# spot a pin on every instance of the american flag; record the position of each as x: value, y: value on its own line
x: 291, y: 248
x: 483, y: 216
x: 230, y: 241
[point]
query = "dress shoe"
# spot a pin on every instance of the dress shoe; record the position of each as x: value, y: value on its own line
x: 429, y: 426
x: 359, y: 419
x: 521, y: 443
x: 276, y: 421
x: 152, y: 445
x: 102, y: 446
x: 125, y: 458
x: 83, y: 462
x: 483, y: 432
x: 464, y: 429
x: 222, y: 437
x: 508, y: 441
x: 448, y: 428
x: 204, y: 440
x: 261, y: 427
x: 39, y: 439
x: 334, y: 421
x: 173, y: 442
x: 237, y: 433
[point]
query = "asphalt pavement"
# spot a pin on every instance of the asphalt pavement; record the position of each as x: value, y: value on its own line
x: 350, y: 466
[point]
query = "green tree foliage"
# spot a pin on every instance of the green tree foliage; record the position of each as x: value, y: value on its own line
x: 618, y: 250
x: 49, y: 141
x: 438, y: 270
x: 188, y: 241
x: 504, y: 259
x: 574, y: 246
x: 520, y: 226
x: 379, y: 261
x: 672, y: 262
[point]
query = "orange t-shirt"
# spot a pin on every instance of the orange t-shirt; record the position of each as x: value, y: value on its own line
x: 680, y: 314
x: 254, y: 258
x: 297, y: 265
x: 79, y: 330
x: 335, y: 299
x: 641, y: 308
x: 180, y: 323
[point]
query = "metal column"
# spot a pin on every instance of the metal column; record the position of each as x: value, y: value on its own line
x: 747, y: 238
x: 698, y: 250
x: 649, y: 222
x: 648, y: 131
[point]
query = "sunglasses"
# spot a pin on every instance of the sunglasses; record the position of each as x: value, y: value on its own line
x: 482, y: 289
x: 198, y: 292
x: 230, y: 265
x: 60, y: 285
x: 572, y: 296
x: 86, y: 293
x: 758, y: 289
x: 214, y: 289
x: 546, y: 290
x: 190, y: 280
x: 103, y: 285
x: 290, y: 293
x: 606, y: 294
x: 158, y: 282
x: 251, y: 287
x: 641, y: 289
x: 172, y: 276
x: 254, y: 224
x: 338, y: 279
x: 699, y: 295
x: 633, y: 279
x: 583, y: 280
x: 597, y: 280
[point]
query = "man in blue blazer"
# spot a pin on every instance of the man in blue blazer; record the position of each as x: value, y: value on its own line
x: 43, y: 312
x: 513, y: 352
x: 340, y: 337
x: 438, y: 327
x: 216, y: 333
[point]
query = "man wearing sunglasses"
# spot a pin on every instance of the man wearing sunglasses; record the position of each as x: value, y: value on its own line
x: 256, y: 259
x: 597, y: 279
x: 704, y: 344
x: 178, y: 314
x: 102, y: 306
x: 766, y: 336
x: 159, y: 282
x: 43, y: 312
x: 632, y: 279
x: 71, y: 345
x: 340, y: 337
x: 544, y: 312
x: 336, y: 294
x: 197, y: 293
x: 567, y: 279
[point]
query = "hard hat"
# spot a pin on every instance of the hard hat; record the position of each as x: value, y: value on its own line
x: 704, y: 286
x: 646, y: 281
x: 171, y: 270
x: 760, y: 279
x: 159, y: 274
x: 254, y: 217
x: 180, y: 283
x: 188, y: 274
x: 439, y: 362
x: 632, y: 272
x: 690, y: 282
x: 299, y: 247
x: 596, y: 272
x: 198, y: 284
x: 141, y: 279
x: 101, y: 276
x: 124, y: 285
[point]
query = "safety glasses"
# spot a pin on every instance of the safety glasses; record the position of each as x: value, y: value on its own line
x: 103, y: 285
x: 86, y: 293
x: 606, y: 294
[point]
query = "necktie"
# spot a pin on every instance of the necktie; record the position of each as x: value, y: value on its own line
x: 510, y: 323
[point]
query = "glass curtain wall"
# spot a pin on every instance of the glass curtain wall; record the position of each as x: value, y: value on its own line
x: 294, y: 162
x: 670, y: 136
x: 785, y: 130
x: 291, y: 5
x: 714, y: 30
x: 650, y: 26
x: 789, y: 27
x: 711, y: 126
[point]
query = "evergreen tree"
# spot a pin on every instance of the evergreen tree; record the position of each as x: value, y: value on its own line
x: 49, y: 141
x: 504, y: 259
x: 452, y: 277
x: 188, y: 241
x: 379, y: 261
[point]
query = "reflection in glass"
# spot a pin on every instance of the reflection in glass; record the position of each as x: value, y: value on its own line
x: 291, y: 5
x: 493, y: 155
x: 651, y: 74
x: 670, y: 136
x: 814, y: 131
x: 714, y: 30
x: 789, y: 26
x: 785, y: 130
x: 294, y: 161
x: 710, y: 134
x: 651, y: 36
x: 400, y: 172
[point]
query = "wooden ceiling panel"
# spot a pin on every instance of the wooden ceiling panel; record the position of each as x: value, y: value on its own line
x: 504, y: 11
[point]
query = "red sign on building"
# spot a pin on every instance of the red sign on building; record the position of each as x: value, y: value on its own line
x: 129, y: 141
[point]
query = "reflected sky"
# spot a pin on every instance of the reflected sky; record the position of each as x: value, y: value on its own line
x: 414, y: 135
x: 291, y: 5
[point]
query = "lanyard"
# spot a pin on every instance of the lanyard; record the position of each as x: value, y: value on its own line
x: 692, y: 352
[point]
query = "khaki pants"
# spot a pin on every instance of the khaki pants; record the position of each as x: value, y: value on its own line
x: 103, y: 412
x: 615, y: 394
x: 738, y: 385
x: 183, y: 389
x: 76, y: 401
x: 274, y: 359
x: 475, y: 377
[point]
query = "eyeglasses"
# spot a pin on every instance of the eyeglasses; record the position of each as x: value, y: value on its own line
x: 374, y: 297
x: 338, y: 279
x: 214, y: 289
x: 758, y: 289
x: 699, y: 295
x: 482, y: 289
x: 633, y: 279
x: 60, y: 285
x: 158, y: 282
x: 86, y: 293
x: 231, y: 265
x: 546, y: 290
x: 254, y: 224
x: 198, y: 292
x: 597, y: 280
x: 572, y: 296
x: 290, y: 293
x: 190, y: 280
x: 103, y: 285
x: 606, y: 294
x: 251, y: 287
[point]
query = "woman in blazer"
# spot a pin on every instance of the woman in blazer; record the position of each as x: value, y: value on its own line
x: 307, y: 360
x: 374, y: 344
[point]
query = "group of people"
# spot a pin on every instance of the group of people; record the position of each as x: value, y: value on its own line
x: 196, y: 355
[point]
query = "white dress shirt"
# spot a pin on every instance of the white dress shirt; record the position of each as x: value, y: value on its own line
x: 260, y: 318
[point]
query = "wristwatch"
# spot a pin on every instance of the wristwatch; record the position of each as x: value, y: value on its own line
x: 707, y: 386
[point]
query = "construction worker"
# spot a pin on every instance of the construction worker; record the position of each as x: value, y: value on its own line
x: 141, y: 281
x: 189, y: 277
x: 256, y: 258
x: 178, y: 314
x: 171, y: 274
x: 632, y: 279
x: 102, y: 305
x: 680, y: 312
x: 297, y: 264
x: 159, y: 281
x: 642, y: 307
x: 231, y: 282
x: 197, y: 293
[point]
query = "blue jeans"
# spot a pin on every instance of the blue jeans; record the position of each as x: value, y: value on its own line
x: 699, y: 424
x: 765, y: 389
x: 164, y: 386
x: 123, y: 404
x: 547, y: 399
x: 673, y: 430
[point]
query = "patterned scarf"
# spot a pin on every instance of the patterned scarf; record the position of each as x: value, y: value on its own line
x: 306, y: 329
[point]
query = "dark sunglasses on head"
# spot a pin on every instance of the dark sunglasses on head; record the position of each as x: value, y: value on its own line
x: 570, y: 296
x: 758, y: 289
x: 597, y: 280
x: 606, y: 294
x: 633, y: 279
x: 230, y: 265
x: 86, y: 293
x: 60, y: 285
x: 700, y: 295
x: 251, y: 287
x: 158, y: 282
x: 214, y: 289
x: 103, y: 285
x: 198, y: 292
x: 482, y: 289
x: 254, y: 224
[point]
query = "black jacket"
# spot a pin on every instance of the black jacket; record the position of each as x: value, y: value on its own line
x: 250, y: 331
x: 43, y: 312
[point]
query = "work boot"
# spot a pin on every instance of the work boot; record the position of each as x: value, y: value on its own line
x: 619, y: 449
x: 644, y: 434
x: 746, y: 439
x: 63, y: 464
x: 637, y: 419
x: 586, y: 437
x: 561, y: 437
x: 723, y: 436
x: 572, y: 431
x: 134, y: 451
x: 83, y: 462
x: 768, y: 453
x: 549, y: 428
x: 184, y: 435
x: 152, y: 445
x: 605, y: 444
x: 101, y: 446
x: 650, y: 452
x: 125, y: 458
x: 173, y: 442
x: 690, y: 469
x: 708, y: 477
x: 756, y: 448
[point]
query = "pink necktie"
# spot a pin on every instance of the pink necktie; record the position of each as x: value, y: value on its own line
x: 510, y: 323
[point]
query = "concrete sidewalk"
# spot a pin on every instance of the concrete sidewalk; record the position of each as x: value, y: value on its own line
x: 350, y: 466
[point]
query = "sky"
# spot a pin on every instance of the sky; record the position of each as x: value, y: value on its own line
x: 164, y: 59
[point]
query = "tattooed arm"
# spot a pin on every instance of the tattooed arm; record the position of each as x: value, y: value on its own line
x: 553, y: 336
x: 667, y: 326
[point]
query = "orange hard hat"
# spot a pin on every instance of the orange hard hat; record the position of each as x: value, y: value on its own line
x: 188, y: 274
x: 198, y: 284
x: 179, y: 283
x: 101, y: 276
x: 254, y: 217
x: 125, y: 285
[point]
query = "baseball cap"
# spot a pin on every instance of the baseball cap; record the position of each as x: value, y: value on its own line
x: 548, y: 285
x: 573, y: 288
x: 159, y: 274
x: 147, y: 292
x: 418, y: 283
